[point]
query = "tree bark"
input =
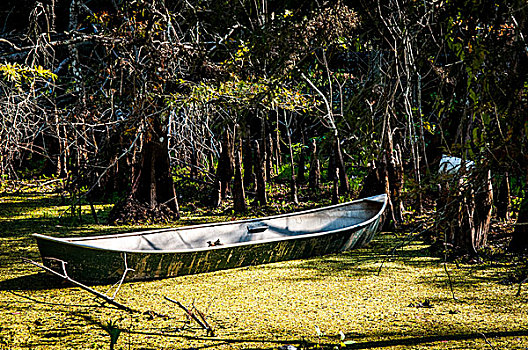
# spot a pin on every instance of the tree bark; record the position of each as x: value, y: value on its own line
x: 249, y: 165
x: 314, y: 179
x: 224, y: 170
x: 464, y: 216
x: 519, y: 242
x: 239, y: 196
x: 503, y: 203
x: 335, y: 187
x: 293, y: 179
x: 152, y: 196
x: 344, y: 186
x: 269, y: 157
x: 396, y: 181
x: 260, y: 173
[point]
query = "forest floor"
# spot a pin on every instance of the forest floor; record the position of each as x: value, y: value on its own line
x: 376, y: 297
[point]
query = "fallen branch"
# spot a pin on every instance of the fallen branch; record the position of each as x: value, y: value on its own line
x: 120, y: 282
x: 51, y: 303
x: 202, y: 322
x: 202, y: 317
x: 65, y: 276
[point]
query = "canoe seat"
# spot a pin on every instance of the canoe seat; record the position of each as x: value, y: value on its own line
x: 255, y: 228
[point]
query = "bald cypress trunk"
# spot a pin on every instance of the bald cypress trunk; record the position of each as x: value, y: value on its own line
x: 152, y: 195
x: 464, y: 215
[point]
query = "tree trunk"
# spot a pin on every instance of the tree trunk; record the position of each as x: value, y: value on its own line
x: 293, y: 180
x: 264, y: 148
x: 465, y: 214
x: 335, y: 187
x: 260, y: 173
x: 269, y: 157
x: 396, y: 181
x: 224, y: 170
x: 344, y: 186
x: 377, y: 182
x: 519, y: 242
x: 154, y: 184
x: 314, y: 179
x: 152, y: 196
x: 483, y: 212
x: 301, y: 177
x: 194, y: 164
x: 239, y: 196
x: 249, y: 165
x: 277, y: 147
x: 503, y: 203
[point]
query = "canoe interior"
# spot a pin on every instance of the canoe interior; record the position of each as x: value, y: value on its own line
x: 281, y: 227
x: 185, y: 250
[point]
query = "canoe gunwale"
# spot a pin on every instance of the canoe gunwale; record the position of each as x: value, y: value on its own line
x: 76, y: 241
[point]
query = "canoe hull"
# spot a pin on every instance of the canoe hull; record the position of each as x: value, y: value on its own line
x: 95, y: 265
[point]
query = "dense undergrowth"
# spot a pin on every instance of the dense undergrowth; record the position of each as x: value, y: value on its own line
x: 387, y: 295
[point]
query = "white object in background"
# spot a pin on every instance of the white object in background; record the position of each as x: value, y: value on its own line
x: 452, y: 165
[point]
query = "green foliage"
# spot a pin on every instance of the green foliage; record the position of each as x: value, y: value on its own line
x: 238, y: 94
x: 22, y: 74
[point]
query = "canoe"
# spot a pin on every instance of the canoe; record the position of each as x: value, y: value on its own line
x: 209, y: 247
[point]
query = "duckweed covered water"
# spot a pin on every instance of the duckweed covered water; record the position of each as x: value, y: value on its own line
x: 308, y: 303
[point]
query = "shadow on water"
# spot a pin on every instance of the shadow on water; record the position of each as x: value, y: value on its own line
x: 366, y: 260
x: 419, y: 340
x: 36, y: 281
x: 45, y: 214
x: 27, y: 202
